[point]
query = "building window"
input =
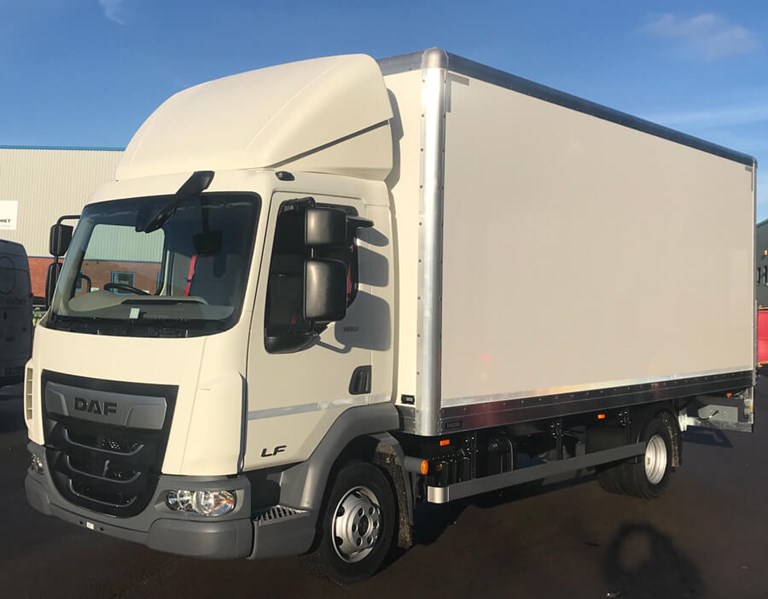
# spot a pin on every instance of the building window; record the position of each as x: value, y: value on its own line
x: 123, y: 278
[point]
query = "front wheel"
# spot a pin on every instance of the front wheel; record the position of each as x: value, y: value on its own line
x: 356, y: 527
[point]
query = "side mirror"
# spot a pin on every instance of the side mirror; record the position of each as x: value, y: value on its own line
x: 325, y: 290
x: 325, y: 227
x: 61, y: 237
x: 51, y: 277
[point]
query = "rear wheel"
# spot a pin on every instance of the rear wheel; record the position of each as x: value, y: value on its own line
x: 356, y: 526
x: 649, y: 477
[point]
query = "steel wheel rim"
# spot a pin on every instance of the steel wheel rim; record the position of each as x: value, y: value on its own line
x: 356, y: 525
x: 655, y: 459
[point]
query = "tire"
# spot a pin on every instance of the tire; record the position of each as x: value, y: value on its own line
x: 609, y: 477
x: 360, y: 500
x: 647, y: 478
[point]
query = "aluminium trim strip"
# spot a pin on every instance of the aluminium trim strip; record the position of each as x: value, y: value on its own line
x: 516, y: 477
x: 514, y: 395
x: 430, y: 280
x: 504, y: 413
x: 346, y: 402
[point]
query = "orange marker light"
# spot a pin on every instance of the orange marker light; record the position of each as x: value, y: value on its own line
x: 445, y: 442
x: 601, y: 416
x: 424, y: 467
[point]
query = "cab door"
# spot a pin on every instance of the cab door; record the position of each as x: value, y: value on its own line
x: 296, y: 390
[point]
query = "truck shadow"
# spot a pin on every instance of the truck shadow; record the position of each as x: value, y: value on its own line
x: 642, y: 562
x: 703, y: 436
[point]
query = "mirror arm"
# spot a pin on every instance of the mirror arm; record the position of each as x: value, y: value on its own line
x: 67, y: 217
x: 358, y: 222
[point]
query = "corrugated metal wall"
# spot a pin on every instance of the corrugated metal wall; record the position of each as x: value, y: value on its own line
x: 114, y: 242
x: 48, y: 183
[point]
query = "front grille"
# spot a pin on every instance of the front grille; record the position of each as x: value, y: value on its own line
x: 103, y: 443
x: 106, y: 468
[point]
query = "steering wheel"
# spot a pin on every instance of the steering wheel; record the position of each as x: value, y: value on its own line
x: 124, y: 287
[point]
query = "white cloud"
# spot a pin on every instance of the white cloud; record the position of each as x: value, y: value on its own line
x: 706, y: 36
x: 113, y: 10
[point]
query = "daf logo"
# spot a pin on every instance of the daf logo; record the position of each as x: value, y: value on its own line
x: 94, y: 406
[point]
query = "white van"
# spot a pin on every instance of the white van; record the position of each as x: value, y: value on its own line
x: 15, y: 312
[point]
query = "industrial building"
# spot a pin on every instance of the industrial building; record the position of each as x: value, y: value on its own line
x: 40, y: 184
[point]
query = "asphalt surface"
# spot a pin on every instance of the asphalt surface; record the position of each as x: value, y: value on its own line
x: 706, y: 537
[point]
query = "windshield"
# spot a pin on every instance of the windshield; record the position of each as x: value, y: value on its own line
x: 186, y: 278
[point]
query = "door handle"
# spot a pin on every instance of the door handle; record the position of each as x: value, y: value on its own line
x: 361, y: 381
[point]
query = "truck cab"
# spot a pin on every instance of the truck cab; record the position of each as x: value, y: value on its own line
x: 210, y: 326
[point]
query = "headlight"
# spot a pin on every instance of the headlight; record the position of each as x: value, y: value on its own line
x: 37, y: 464
x: 205, y: 503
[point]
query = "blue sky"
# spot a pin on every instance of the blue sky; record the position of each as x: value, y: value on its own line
x: 87, y: 72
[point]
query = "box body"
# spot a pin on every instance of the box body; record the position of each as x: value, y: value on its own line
x: 556, y: 256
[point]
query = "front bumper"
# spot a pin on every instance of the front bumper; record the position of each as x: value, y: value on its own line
x: 157, y: 527
x: 234, y: 535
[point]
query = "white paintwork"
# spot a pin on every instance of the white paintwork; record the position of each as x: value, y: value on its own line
x: 206, y: 434
x: 404, y: 182
x: 289, y: 385
x: 579, y: 252
x: 271, y: 117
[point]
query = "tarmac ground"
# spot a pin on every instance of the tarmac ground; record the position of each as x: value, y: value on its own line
x: 706, y: 537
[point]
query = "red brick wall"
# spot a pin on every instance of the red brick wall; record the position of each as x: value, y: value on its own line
x: 37, y: 269
x: 145, y: 273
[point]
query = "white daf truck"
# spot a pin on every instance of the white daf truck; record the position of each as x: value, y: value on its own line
x: 321, y: 293
x: 15, y: 312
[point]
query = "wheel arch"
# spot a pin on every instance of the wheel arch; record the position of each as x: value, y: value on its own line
x: 358, y: 434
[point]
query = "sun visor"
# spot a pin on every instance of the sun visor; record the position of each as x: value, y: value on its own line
x: 304, y: 113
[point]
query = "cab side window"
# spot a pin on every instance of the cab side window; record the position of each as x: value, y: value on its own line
x: 284, y: 319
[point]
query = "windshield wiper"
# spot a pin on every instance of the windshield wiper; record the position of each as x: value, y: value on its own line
x: 197, y: 183
x: 158, y: 300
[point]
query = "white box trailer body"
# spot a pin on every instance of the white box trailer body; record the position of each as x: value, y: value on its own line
x: 376, y: 284
x: 557, y: 245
